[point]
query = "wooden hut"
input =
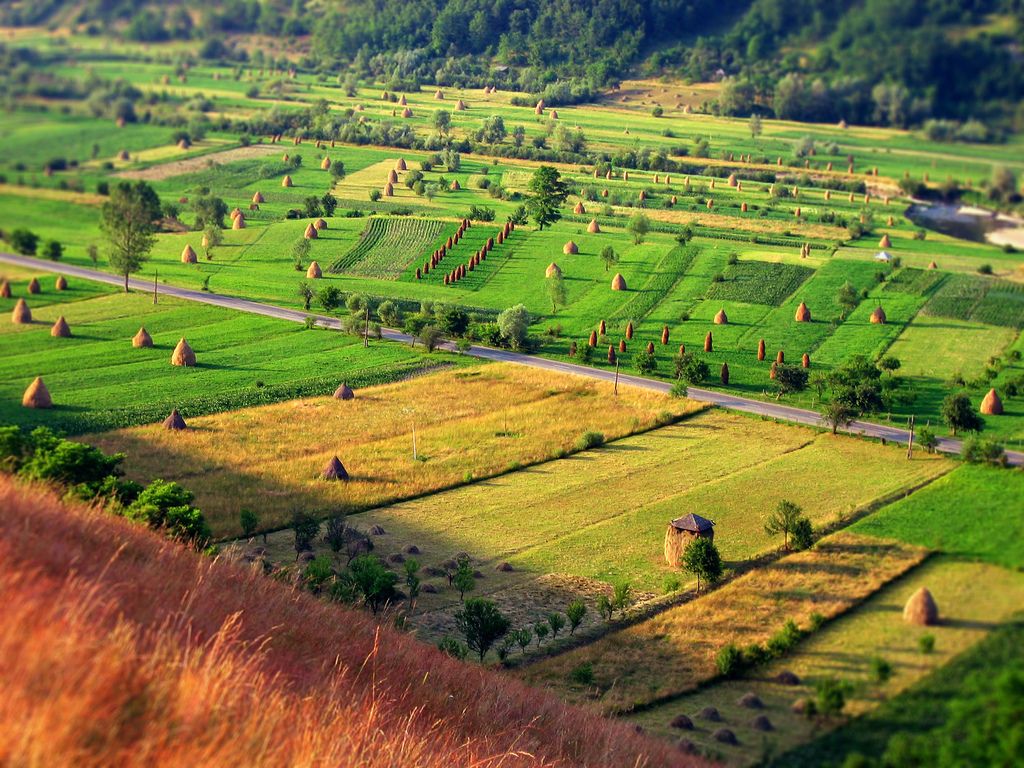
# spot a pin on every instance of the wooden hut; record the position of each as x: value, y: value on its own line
x: 682, y: 531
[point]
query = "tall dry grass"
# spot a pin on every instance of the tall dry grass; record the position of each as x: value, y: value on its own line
x: 119, y: 648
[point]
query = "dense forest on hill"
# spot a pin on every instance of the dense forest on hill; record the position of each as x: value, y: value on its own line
x: 895, y: 62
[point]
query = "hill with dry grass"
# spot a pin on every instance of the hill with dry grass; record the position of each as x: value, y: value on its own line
x: 120, y: 648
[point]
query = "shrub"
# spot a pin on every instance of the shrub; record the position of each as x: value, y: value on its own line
x: 977, y: 450
x: 985, y: 269
x: 53, y: 250
x: 575, y: 612
x: 589, y: 440
x: 831, y: 696
x: 582, y: 674
x: 453, y: 648
x: 671, y: 584
x: 816, y: 621
x: 881, y: 670
x: 23, y: 241
x: 926, y: 643
x: 783, y: 640
x: 729, y: 660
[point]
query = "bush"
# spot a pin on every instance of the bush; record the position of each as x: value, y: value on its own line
x: 453, y: 648
x: 881, y: 670
x: 729, y: 661
x: 783, y: 640
x: 23, y: 241
x: 977, y: 450
x: 582, y: 674
x: 926, y: 643
x: 802, y: 535
x: 985, y: 269
x: 589, y: 440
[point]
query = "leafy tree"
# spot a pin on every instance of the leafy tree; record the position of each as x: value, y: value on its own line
x: 547, y: 192
x: 645, y: 362
x: 249, y: 521
x: 305, y: 528
x: 128, y: 219
x: 300, y: 251
x: 690, y: 368
x: 53, y: 250
x: 513, y: 324
x: 609, y: 257
x: 317, y: 573
x: 443, y: 122
x: 492, y: 131
x: 802, y: 534
x: 540, y: 630
x: 23, y: 241
x: 463, y: 580
x: 890, y: 364
x: 452, y: 320
x: 783, y: 520
x: 209, y: 211
x: 213, y: 236
x: 575, y: 612
x: 605, y: 607
x: 848, y: 298
x: 830, y: 696
x: 685, y: 234
x: 412, y: 579
x: 372, y: 580
x: 337, y: 174
x: 926, y: 439
x: 169, y: 506
x: 482, y: 624
x: 305, y: 293
x: 523, y: 638
x: 639, y: 226
x: 94, y: 254
x: 959, y: 415
x: 789, y: 379
x: 430, y: 337
x: 622, y: 596
x: 388, y: 313
x: 336, y: 532
x: 555, y: 288
x: 755, y: 125
x: 311, y: 207
x: 701, y: 559
x: 329, y: 297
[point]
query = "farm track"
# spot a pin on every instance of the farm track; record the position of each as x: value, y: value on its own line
x: 721, y: 399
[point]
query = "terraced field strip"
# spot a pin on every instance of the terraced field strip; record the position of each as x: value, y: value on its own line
x: 389, y: 245
x: 674, y: 652
x: 759, y: 282
x: 963, y: 297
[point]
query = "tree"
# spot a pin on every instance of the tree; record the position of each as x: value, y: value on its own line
x: 848, y: 298
x: 311, y: 207
x: 336, y: 532
x: 513, y: 324
x: 249, y: 521
x: 803, y: 534
x: 53, y: 250
x: 337, y: 172
x: 430, y: 337
x: 639, y: 226
x: 540, y: 629
x: 789, y: 379
x: 547, y: 192
x: 555, y: 288
x: 492, y: 131
x: 300, y: 250
x: 644, y: 362
x: 523, y: 638
x: 372, y: 580
x: 690, y: 368
x: 329, y: 297
x: 783, y: 520
x: 128, y: 220
x: 305, y: 293
x: 463, y: 580
x: 609, y: 257
x: 212, y: 238
x: 959, y: 414
x: 575, y: 612
x: 94, y: 254
x: 209, y: 211
x: 755, y: 125
x: 388, y: 313
x: 306, y: 528
x: 890, y: 364
x: 482, y: 624
x: 443, y: 122
x: 701, y: 558
x: 622, y: 596
x: 837, y: 413
x: 412, y: 580
x: 685, y: 234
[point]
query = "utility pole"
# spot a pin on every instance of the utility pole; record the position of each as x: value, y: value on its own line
x: 156, y: 272
x: 616, y: 376
x: 910, y: 440
x: 366, y: 328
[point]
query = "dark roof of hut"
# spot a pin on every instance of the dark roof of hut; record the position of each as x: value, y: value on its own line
x: 693, y: 523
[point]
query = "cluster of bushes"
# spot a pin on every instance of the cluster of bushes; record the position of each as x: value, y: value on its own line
x: 26, y: 242
x: 732, y: 660
x: 88, y: 474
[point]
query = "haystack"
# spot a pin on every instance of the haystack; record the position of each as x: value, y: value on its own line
x: 554, y: 114
x: 406, y: 113
x: 183, y: 354
x: 629, y: 330
x: 570, y: 248
x: 539, y: 109
x: 310, y: 233
x: 622, y: 346
x: 174, y: 421
x: 618, y: 282
x: 721, y: 318
x: 400, y: 164
x: 392, y: 176
x: 710, y: 203
x: 709, y: 343
x: 932, y: 265
x: 389, y: 190
x: 593, y: 227
x: 760, y: 350
x: 238, y: 223
x: 5, y: 290
x: 885, y: 242
x: 579, y: 208
x: 188, y: 255
x: 60, y: 329
x: 439, y: 95
x: 334, y: 470
x: 552, y: 270
x: 803, y: 314
x: 780, y: 358
x: 611, y: 354
x: 286, y: 181
x: 455, y: 187
x: 664, y: 334
x: 314, y: 272
x: 592, y: 341
x: 743, y: 207
x: 602, y: 328
x: 344, y: 392
x: 142, y: 339
x: 258, y: 198
x: 123, y: 155
x: 732, y: 180
x: 21, y: 315
x: 284, y: 158
x: 460, y: 106
x: 37, y: 395
x: 403, y: 101
x: 921, y: 609
x: 33, y: 285
x: 236, y: 212
x: 325, y: 164
x: 805, y: 361
x: 991, y: 405
x: 61, y: 284
x: 725, y: 374
x: 184, y: 144
x: 878, y: 316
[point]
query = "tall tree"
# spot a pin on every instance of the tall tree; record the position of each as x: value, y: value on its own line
x: 555, y: 287
x: 959, y: 414
x: 482, y: 624
x: 783, y: 520
x: 128, y: 219
x: 701, y: 558
x: 547, y: 193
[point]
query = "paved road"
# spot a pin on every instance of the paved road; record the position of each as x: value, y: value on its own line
x: 721, y: 399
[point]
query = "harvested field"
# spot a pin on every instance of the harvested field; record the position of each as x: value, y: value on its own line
x: 193, y: 164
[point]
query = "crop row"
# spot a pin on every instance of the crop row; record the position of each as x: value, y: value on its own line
x: 388, y: 245
x: 759, y: 282
x: 996, y: 302
x: 670, y: 270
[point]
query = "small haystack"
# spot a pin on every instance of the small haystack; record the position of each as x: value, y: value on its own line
x: 721, y: 318
x: 709, y: 713
x: 579, y: 208
x: 183, y: 354
x: 455, y: 186
x: 725, y: 374
x: 539, y: 109
x: 921, y: 609
x: 439, y: 95
x: 629, y: 330
x: 320, y: 224
x: 60, y: 329
x: 325, y: 164
x: 334, y: 470
x: 932, y: 265
x: 174, y: 421
x: 258, y: 198
x: 460, y: 106
x: 142, y: 339
x: 682, y: 722
x: 709, y: 343
x: 392, y: 176
x: 554, y: 114
x: 403, y: 101
x: 593, y: 227
x: 123, y: 155
x: 286, y: 181
x: 406, y: 113
x: 5, y: 290
x: 803, y: 314
x: 664, y: 334
x: 310, y: 233
x: 314, y: 272
x: 760, y: 350
x: 61, y: 284
x: 33, y: 285
x: 552, y: 270
x: 762, y: 723
x: 878, y: 316
x: 991, y: 405
x: 570, y: 248
x: 389, y: 190
x: 188, y: 255
x: 37, y: 395
x: 238, y: 223
x: 805, y: 361
x: 344, y: 392
x: 618, y: 282
x: 400, y: 164
x: 885, y: 242
x: 21, y: 315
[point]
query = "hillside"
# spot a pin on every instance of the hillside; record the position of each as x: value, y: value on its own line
x: 144, y: 653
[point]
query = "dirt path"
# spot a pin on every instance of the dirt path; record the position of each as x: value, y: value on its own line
x: 191, y: 164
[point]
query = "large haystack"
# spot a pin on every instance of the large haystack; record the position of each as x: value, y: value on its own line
x: 579, y: 208
x: 878, y: 316
x: 286, y: 181
x: 681, y: 532
x: 760, y: 349
x: 552, y: 270
x: 61, y: 284
x: 344, y: 392
x: 392, y: 176
x: 188, y: 255
x: 570, y: 248
x: 21, y: 315
x: 593, y: 227
x: 238, y: 223
x: 803, y: 314
x: 991, y: 405
x: 334, y: 470
x: 618, y: 282
x: 721, y: 318
x: 183, y: 354
x: 142, y: 339
x: 314, y: 272
x: 5, y: 290
x: 389, y: 190
x: 539, y: 109
x: 258, y: 198
x: 921, y: 609
x: 37, y: 395
x: 400, y: 164
x: 60, y: 329
x: 709, y: 343
x: 310, y: 233
x: 885, y: 242
x: 174, y: 421
x: 33, y: 285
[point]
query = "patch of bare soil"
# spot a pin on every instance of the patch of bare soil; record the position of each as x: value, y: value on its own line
x: 192, y: 164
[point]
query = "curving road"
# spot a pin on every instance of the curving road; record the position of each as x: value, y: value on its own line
x: 721, y: 399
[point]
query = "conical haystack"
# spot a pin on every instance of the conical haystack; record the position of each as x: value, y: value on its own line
x: 552, y: 270
x: 320, y: 224
x: 602, y: 328
x: 174, y: 421
x: 878, y: 316
x: 932, y: 265
x: 33, y: 285
x: 61, y: 284
x: 60, y: 329
x: 142, y: 339
x: 37, y: 395
x: 805, y: 361
x: 439, y: 95
x: 921, y: 609
x: 344, y: 392
x: 188, y: 255
x: 721, y: 318
x: 286, y: 181
x: 400, y: 164
x: 310, y: 233
x: 325, y: 164
x: 991, y: 405
x: 403, y: 101
x: 629, y: 330
x: 389, y: 190
x: 570, y: 248
x: 238, y: 223
x: 593, y: 227
x: 406, y: 113
x: 725, y: 374
x: 5, y: 290
x: 709, y: 343
x: 460, y: 106
x: 455, y: 186
x: 885, y: 242
x: 780, y: 358
x: 314, y: 272
x: 21, y: 315
x: 760, y: 350
x: 183, y: 354
x: 258, y: 198
x: 334, y: 470
x: 803, y: 314
x: 664, y: 334
x: 579, y: 208
x: 618, y: 282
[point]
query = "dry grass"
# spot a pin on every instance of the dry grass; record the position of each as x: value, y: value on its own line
x: 148, y: 654
x: 747, y: 224
x: 173, y: 168
x: 675, y: 651
x: 474, y: 423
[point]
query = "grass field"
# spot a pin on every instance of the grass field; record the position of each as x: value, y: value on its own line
x: 973, y: 598
x: 469, y: 423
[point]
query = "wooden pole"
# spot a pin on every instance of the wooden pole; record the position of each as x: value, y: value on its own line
x: 156, y: 272
x: 366, y: 328
x: 910, y: 440
x: 616, y: 377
